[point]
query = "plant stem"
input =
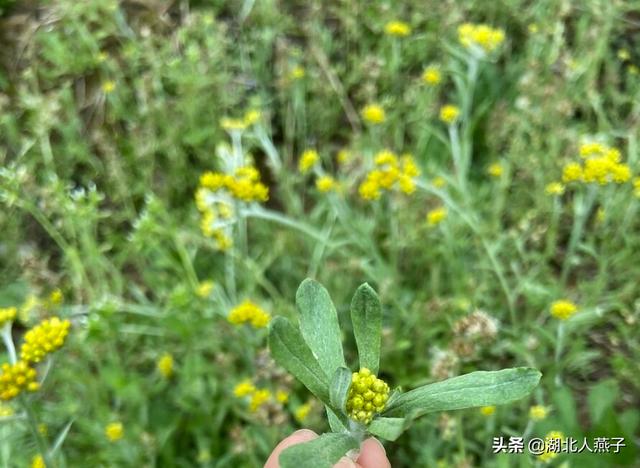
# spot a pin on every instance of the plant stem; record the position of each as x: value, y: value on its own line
x: 8, y: 342
x: 32, y: 422
x: 559, y: 345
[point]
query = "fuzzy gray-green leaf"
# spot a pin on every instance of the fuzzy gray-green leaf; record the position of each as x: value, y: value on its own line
x: 339, y: 388
x: 467, y: 391
x: 289, y: 350
x: 366, y: 316
x: 319, y: 325
x: 322, y: 452
x: 388, y: 428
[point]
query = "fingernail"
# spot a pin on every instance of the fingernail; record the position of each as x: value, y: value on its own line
x: 307, y: 432
x: 377, y: 443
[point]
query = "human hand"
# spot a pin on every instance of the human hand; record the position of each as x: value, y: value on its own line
x: 372, y: 453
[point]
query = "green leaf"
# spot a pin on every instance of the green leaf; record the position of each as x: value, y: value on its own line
x: 290, y: 351
x: 319, y: 325
x: 339, y: 389
x: 601, y: 398
x: 467, y: 391
x: 366, y: 316
x: 322, y: 452
x: 388, y: 428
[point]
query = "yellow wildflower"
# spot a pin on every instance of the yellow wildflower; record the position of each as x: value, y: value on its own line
x: 572, y: 172
x: 373, y: 113
x: 223, y: 242
x: 495, y: 170
x: 6, y: 411
x: 45, y: 338
x: 232, y: 125
x: 487, y: 410
x: 38, y: 462
x: 449, y: 113
x: 244, y: 388
x: 344, y: 156
x: 297, y: 73
x: 251, y: 117
x: 367, y: 396
x: 7, y: 314
x: 55, y: 298
x: 563, y: 309
x: 259, y: 398
x: 114, y: 431
x: 302, y: 412
x: 480, y: 36
x: 431, y: 75
x: 538, y: 412
x: 165, y: 365
x: 326, y: 183
x: 249, y: 312
x: 282, y: 396
x: 553, y: 446
x: 554, y: 188
x: 15, y: 378
x: 624, y: 55
x: 436, y: 216
x: 397, y: 29
x: 307, y: 160
x: 108, y: 86
x: 204, y: 288
x: 28, y: 307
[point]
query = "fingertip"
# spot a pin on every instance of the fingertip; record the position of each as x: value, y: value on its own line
x: 373, y: 454
x: 298, y: 437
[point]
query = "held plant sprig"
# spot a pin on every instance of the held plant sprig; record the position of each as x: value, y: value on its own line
x: 360, y: 403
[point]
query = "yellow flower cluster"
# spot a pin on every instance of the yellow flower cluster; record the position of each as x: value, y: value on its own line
x: 15, y: 378
x: 373, y: 113
x: 368, y: 395
x: 307, y: 160
x: 436, y: 216
x: 326, y: 184
x: 487, y: 410
x: 601, y: 165
x: 538, y: 412
x: 390, y: 172
x: 38, y: 462
x: 165, y: 365
x: 553, y: 437
x: 114, y: 431
x: 204, y: 288
x: 302, y: 413
x: 258, y: 396
x: 563, y: 309
x: 449, y: 113
x: 6, y: 411
x: 397, y: 29
x: 244, y: 185
x: 250, y: 117
x: 554, y: 188
x: 344, y: 156
x: 297, y: 73
x: 45, y: 338
x: 431, y: 75
x: 495, y: 170
x: 249, y: 312
x: 7, y: 314
x: 480, y: 36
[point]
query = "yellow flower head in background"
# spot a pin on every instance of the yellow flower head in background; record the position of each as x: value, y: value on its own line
x: 307, y: 160
x: 495, y: 170
x: 553, y: 446
x: 38, y: 462
x: 7, y: 314
x: 233, y: 125
x: 165, y: 365
x: 487, y: 410
x: 14, y: 378
x: 602, y: 165
x: 297, y: 73
x: 368, y: 395
x: 55, y: 298
x: 480, y: 36
x: 436, y: 216
x: 572, y: 172
x: 204, y: 288
x: 538, y: 412
x: 244, y: 388
x: 45, y: 338
x: 373, y: 114
x: 449, y: 113
x: 326, y: 184
x: 259, y: 398
x: 563, y: 309
x: 431, y: 75
x: 114, y: 431
x: 282, y: 396
x: 249, y: 312
x: 636, y: 187
x: 344, y: 156
x: 390, y: 172
x: 6, y: 411
x: 251, y: 117
x: 108, y: 87
x: 554, y: 188
x: 302, y: 413
x: 397, y: 29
